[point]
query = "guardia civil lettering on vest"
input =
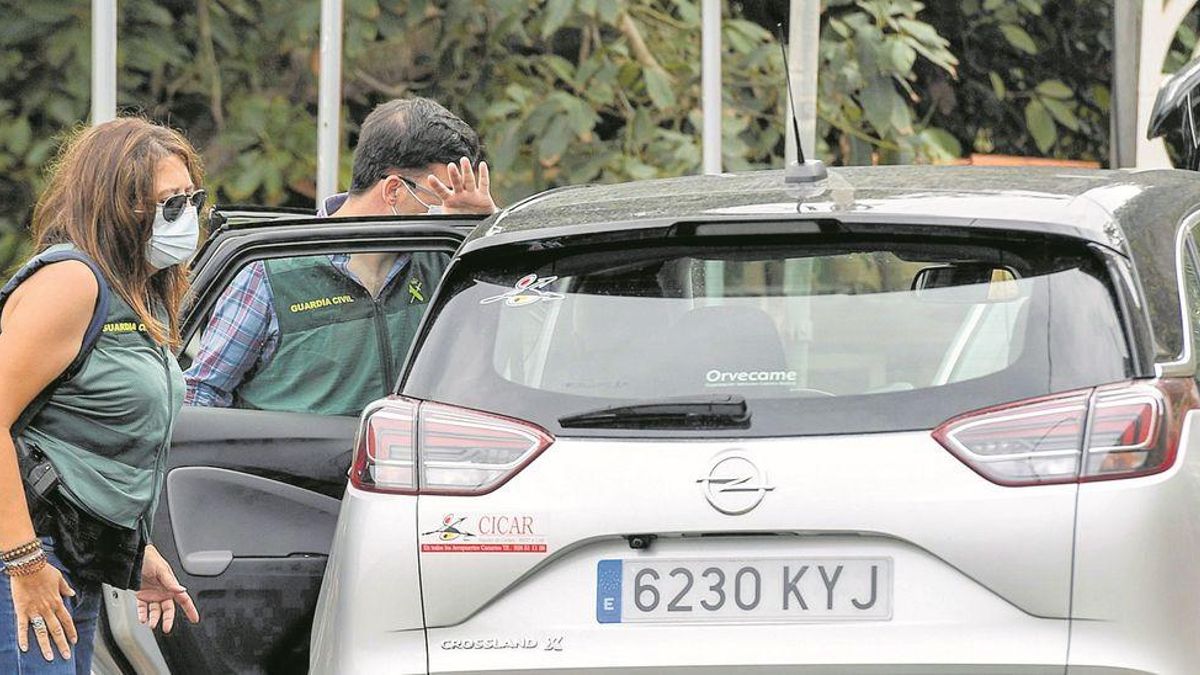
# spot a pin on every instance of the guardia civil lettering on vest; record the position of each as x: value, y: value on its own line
x: 338, y: 347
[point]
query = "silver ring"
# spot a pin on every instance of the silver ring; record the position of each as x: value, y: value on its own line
x: 38, y: 623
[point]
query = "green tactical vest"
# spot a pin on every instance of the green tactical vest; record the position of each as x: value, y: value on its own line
x: 106, y: 430
x: 339, y: 348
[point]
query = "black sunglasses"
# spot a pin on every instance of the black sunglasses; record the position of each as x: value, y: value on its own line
x: 416, y: 188
x: 172, y: 207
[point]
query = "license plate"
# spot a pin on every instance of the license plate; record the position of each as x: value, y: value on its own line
x: 744, y: 590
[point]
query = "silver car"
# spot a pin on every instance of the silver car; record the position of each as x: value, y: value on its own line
x: 902, y: 420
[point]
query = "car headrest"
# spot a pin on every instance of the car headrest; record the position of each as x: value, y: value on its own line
x: 726, y: 338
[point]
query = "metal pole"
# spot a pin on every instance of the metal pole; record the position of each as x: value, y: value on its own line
x: 710, y: 83
x: 329, y: 99
x: 104, y: 60
x: 1127, y: 31
x: 804, y: 36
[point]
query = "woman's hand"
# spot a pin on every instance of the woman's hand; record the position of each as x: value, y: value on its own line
x: 160, y: 591
x: 40, y: 595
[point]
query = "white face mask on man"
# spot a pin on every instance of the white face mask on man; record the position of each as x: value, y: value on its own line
x: 173, y: 241
x: 430, y: 209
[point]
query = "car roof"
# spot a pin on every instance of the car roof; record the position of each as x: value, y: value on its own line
x: 1083, y: 202
x: 1135, y: 212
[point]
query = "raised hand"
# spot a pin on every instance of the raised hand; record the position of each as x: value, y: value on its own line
x: 465, y: 193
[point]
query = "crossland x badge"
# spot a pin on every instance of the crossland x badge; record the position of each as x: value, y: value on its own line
x: 734, y: 485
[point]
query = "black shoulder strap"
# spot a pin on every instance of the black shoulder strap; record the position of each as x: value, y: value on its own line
x: 94, y: 329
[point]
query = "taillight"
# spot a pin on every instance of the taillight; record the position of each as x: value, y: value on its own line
x: 385, y: 457
x: 407, y: 446
x: 1115, y: 431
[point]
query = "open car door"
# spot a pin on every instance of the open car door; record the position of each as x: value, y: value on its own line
x: 251, y: 496
x: 1175, y: 115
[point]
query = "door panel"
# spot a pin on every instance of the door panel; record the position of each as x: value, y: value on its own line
x: 246, y: 520
x: 308, y: 451
x: 271, y: 519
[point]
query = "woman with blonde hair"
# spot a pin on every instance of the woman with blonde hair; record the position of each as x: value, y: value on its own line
x: 89, y: 391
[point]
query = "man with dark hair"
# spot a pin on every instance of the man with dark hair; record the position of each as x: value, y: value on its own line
x: 402, y: 140
x: 326, y: 334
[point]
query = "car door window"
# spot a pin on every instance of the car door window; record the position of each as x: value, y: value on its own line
x: 321, y: 334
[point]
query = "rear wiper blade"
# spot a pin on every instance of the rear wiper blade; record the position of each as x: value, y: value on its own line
x: 720, y: 411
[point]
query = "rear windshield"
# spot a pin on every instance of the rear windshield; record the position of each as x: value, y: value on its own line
x: 846, y: 336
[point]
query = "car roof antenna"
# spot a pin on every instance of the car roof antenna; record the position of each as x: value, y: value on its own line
x: 802, y: 170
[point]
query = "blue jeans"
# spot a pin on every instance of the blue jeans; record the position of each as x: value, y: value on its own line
x: 85, y: 611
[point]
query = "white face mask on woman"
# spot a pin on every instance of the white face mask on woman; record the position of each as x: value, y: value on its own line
x: 173, y: 241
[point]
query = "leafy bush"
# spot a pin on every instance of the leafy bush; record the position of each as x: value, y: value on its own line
x: 1033, y: 79
x: 562, y: 91
x: 869, y: 83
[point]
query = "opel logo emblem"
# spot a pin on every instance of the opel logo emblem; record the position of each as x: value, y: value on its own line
x: 734, y: 485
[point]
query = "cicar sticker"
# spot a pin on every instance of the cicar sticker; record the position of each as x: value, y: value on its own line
x: 529, y: 289
x: 485, y: 533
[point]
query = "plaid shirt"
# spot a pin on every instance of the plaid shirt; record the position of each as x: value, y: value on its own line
x: 243, y: 332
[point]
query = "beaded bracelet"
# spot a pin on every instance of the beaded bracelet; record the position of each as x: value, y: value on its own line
x: 24, y: 559
x: 21, y: 551
x: 26, y: 568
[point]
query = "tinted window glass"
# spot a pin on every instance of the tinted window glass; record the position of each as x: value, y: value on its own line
x: 820, y: 340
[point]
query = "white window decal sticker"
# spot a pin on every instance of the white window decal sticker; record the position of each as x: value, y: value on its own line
x: 716, y: 378
x: 527, y: 291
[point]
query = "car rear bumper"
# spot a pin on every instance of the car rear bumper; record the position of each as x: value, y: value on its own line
x: 943, y: 622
